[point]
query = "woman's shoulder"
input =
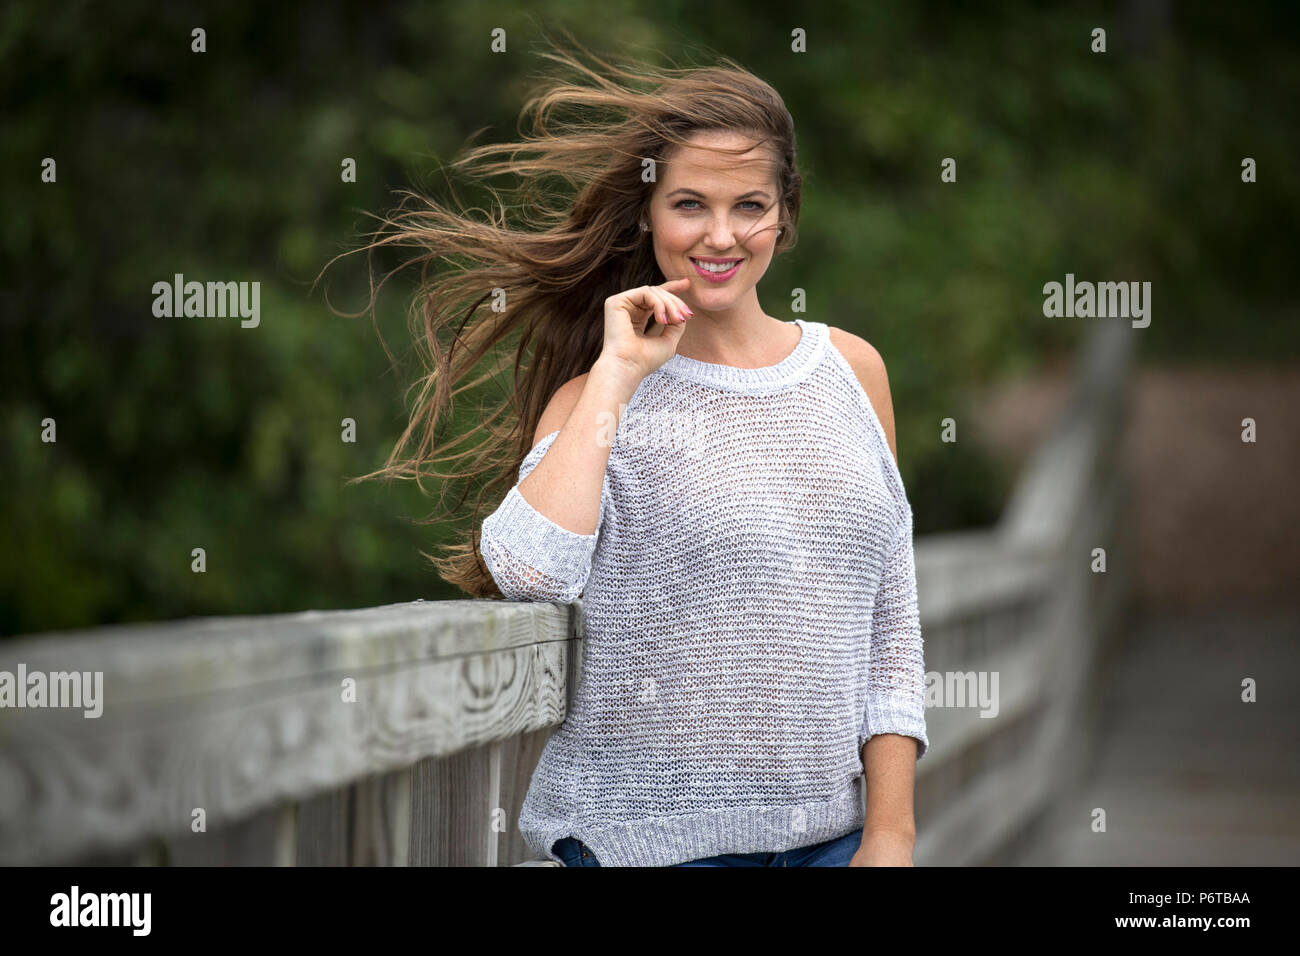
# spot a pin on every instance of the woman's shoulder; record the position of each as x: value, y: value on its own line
x: 559, y: 407
x: 869, y: 367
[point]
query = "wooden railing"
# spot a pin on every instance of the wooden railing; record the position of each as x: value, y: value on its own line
x: 407, y: 734
x: 1023, y: 600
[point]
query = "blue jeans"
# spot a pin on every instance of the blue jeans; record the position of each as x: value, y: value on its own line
x: 834, y: 852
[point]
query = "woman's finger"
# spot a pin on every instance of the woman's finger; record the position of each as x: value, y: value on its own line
x: 672, y: 307
x: 659, y: 303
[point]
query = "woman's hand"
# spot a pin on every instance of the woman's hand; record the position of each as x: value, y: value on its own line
x: 883, y: 848
x: 632, y: 340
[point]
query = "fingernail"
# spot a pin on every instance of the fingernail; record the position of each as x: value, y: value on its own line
x: 689, y: 311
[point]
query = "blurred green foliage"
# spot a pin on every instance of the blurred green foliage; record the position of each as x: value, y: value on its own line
x: 183, y: 433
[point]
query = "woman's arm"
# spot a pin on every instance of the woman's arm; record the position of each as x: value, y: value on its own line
x: 539, y: 542
x: 893, y: 734
x: 565, y: 486
x: 889, y: 764
x: 888, y: 758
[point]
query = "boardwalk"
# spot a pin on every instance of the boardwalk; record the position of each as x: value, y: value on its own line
x: 1186, y: 772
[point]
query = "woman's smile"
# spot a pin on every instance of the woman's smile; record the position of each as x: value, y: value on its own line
x: 716, y: 270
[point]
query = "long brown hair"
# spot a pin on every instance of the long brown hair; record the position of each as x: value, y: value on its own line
x: 554, y: 269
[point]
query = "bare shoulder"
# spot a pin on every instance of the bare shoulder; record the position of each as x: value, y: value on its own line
x: 870, y: 369
x: 560, y: 406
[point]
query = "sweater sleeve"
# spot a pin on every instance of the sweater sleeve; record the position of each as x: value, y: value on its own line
x: 530, y: 557
x: 896, y: 673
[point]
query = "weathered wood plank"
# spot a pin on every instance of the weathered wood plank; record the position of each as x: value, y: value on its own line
x: 322, y: 828
x: 248, y: 842
x: 519, y: 757
x: 184, y: 727
x: 454, y: 800
x: 381, y: 821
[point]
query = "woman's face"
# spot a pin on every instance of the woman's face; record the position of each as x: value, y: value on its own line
x: 715, y: 206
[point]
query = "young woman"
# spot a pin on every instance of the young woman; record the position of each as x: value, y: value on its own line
x: 719, y: 487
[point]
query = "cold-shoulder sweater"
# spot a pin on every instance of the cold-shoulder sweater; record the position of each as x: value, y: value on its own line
x: 749, y: 614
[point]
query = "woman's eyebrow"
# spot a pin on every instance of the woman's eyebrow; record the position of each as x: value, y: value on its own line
x: 694, y: 192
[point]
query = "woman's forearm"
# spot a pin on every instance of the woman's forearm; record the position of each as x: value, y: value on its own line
x: 889, y: 767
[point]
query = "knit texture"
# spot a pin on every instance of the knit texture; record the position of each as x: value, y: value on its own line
x: 749, y: 612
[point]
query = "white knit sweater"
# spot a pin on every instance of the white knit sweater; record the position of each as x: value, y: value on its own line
x: 749, y: 612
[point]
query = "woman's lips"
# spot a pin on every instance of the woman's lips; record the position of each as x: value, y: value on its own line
x: 716, y: 276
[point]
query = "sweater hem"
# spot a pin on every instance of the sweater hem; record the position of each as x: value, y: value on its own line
x: 668, y: 840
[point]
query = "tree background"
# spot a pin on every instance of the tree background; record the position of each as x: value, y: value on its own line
x: 225, y: 165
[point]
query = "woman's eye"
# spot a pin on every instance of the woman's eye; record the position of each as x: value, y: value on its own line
x: 748, y: 202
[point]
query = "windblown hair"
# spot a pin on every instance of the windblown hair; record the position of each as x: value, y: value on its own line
x: 552, y: 270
